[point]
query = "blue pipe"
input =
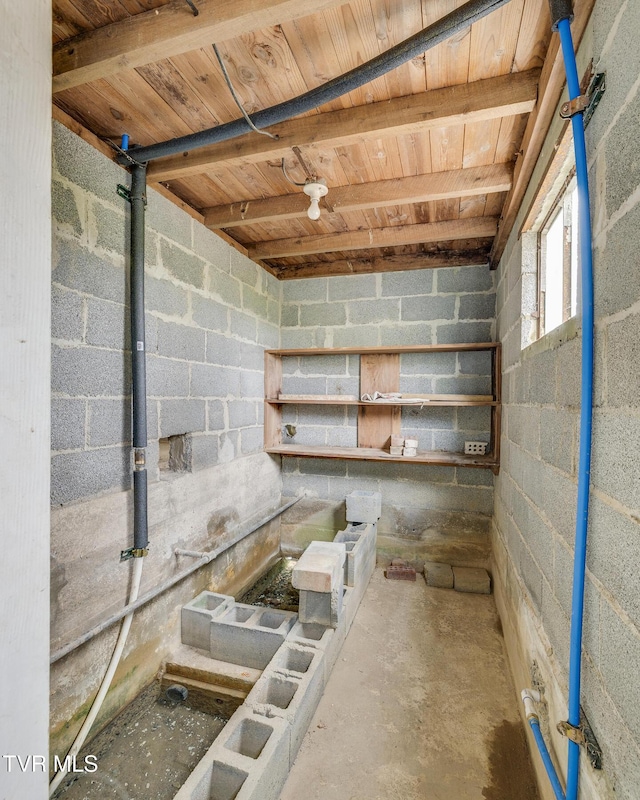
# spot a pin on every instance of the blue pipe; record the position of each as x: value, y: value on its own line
x: 125, y: 142
x: 546, y: 759
x: 586, y: 406
x: 586, y: 422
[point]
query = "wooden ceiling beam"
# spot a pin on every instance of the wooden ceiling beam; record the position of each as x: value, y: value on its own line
x: 506, y: 95
x: 552, y: 80
x: 395, y: 236
x: 392, y: 263
x: 377, y: 194
x: 168, y: 31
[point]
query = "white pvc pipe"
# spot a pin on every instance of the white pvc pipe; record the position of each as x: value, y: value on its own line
x: 106, y: 681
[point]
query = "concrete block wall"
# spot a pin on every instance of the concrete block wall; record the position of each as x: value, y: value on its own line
x: 420, y: 503
x: 211, y: 312
x: 535, y: 493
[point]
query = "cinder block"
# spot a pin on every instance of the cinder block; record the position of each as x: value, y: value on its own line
x: 109, y: 422
x: 108, y: 325
x: 364, y: 506
x: 196, y: 618
x: 243, y: 326
x: 89, y: 371
x: 67, y: 424
x: 66, y: 315
x: 293, y: 699
x: 464, y: 279
x: 471, y: 579
x: 111, y: 229
x: 249, y: 636
x: 64, y: 208
x: 439, y: 575
x: 249, y: 760
x: 222, y: 350
x: 320, y: 568
x: 209, y: 313
x: 366, y: 312
x: 82, y: 474
x: 404, y: 284
x: 429, y: 307
x: 360, y: 542
x: 181, y: 341
x: 325, y: 608
x: 227, y: 288
x: 351, y: 287
x: 77, y: 268
x: 164, y: 296
x: 254, y: 302
x: 182, y: 265
x: 322, y: 314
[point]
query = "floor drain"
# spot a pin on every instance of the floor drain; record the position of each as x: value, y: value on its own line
x: 177, y: 693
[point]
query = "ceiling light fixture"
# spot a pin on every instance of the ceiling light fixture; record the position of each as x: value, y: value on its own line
x: 315, y: 188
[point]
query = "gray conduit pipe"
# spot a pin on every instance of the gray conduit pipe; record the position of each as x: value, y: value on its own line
x: 455, y: 22
x: 204, y: 558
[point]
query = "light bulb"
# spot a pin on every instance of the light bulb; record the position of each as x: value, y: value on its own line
x: 313, y: 212
x: 315, y: 189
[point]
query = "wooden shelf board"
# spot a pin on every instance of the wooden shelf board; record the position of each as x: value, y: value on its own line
x: 373, y: 454
x: 421, y: 348
x: 427, y: 403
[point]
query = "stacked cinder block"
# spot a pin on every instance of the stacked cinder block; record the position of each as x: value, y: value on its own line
x: 250, y: 759
x: 319, y: 576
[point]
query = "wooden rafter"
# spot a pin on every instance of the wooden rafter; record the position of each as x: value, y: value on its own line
x: 473, y: 228
x: 552, y: 81
x: 168, y: 31
x: 506, y: 95
x: 392, y: 263
x: 396, y: 191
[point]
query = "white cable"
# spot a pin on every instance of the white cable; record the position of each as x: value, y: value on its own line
x: 106, y: 681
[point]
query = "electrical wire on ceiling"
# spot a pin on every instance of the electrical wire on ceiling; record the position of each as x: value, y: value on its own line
x: 236, y: 98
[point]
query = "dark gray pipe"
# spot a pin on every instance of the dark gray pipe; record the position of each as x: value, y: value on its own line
x: 138, y: 361
x: 560, y: 9
x: 452, y: 23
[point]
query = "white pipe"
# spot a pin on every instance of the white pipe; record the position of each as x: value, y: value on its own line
x: 529, y: 698
x: 106, y: 681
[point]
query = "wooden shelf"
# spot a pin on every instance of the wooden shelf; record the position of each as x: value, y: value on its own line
x: 377, y: 421
x: 305, y: 401
x: 440, y: 457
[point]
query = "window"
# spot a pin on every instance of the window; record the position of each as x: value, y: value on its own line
x: 550, y: 254
x: 558, y: 261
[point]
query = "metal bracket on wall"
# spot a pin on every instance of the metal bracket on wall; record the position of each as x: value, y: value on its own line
x: 124, y: 192
x: 588, y: 102
x: 584, y: 737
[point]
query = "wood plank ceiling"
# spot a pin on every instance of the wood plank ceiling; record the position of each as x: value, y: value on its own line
x: 419, y: 163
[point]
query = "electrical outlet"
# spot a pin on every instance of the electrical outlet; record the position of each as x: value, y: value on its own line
x: 475, y: 448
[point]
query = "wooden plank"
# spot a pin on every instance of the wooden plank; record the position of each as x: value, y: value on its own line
x: 376, y: 237
x: 272, y: 388
x: 414, y: 189
x: 378, y: 373
x: 411, y: 348
x: 503, y: 96
x: 439, y: 457
x: 433, y: 401
x: 552, y: 80
x: 165, y: 32
x: 391, y: 263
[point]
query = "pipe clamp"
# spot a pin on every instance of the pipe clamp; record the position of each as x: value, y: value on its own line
x: 133, y: 552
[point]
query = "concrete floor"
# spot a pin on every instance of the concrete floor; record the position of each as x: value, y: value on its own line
x: 420, y: 705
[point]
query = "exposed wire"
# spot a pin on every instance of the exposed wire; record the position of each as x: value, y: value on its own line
x: 192, y: 6
x: 122, y: 152
x: 288, y: 177
x: 236, y: 98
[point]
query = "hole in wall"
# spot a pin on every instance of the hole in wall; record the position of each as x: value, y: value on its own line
x: 174, y: 454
